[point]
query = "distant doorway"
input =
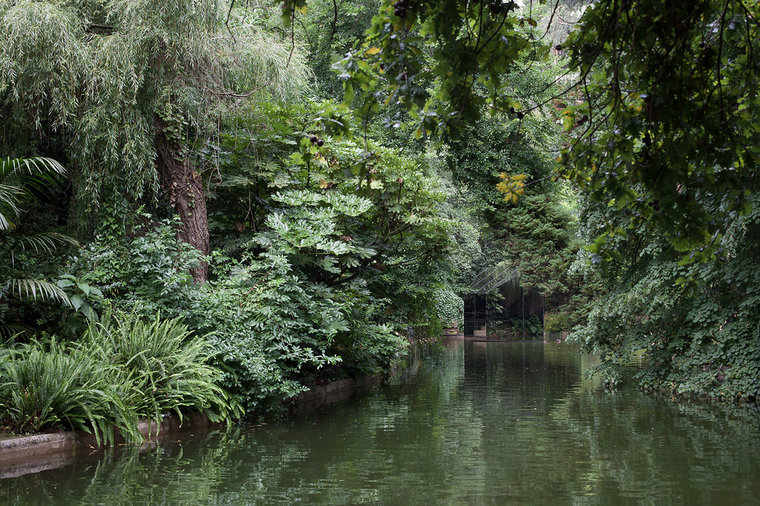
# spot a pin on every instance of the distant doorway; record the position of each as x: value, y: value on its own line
x: 500, y: 307
x: 475, y: 315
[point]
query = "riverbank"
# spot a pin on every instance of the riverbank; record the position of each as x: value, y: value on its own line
x: 20, y: 455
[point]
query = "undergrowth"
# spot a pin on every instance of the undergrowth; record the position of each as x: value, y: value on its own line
x: 122, y: 370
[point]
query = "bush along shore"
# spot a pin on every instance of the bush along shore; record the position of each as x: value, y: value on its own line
x: 199, y: 214
x: 123, y: 370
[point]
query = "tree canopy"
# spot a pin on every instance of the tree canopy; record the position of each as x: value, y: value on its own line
x: 659, y: 102
x: 659, y: 96
x: 311, y: 198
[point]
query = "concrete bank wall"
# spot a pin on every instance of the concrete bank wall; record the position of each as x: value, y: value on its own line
x: 32, y: 454
x: 337, y: 391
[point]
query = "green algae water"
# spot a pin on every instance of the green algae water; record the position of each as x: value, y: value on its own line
x: 467, y: 423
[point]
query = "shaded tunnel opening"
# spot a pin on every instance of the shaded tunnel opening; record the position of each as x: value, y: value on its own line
x: 508, y: 312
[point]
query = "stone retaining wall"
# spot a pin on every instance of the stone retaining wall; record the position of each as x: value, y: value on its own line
x: 336, y: 391
x: 32, y: 454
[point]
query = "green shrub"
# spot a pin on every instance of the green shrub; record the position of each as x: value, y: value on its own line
x: 368, y: 346
x: 267, y: 335
x: 48, y: 386
x: 450, y: 307
x: 557, y: 322
x: 692, y: 326
x: 148, y: 266
x: 165, y: 369
x: 531, y: 325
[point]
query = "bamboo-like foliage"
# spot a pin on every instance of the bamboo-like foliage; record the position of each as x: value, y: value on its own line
x: 266, y: 66
x: 98, y: 72
x: 42, y: 58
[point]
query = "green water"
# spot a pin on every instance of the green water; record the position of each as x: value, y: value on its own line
x: 468, y: 423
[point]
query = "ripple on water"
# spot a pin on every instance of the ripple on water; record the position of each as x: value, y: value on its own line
x: 476, y: 423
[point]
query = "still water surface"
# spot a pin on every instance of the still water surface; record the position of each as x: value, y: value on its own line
x: 468, y: 423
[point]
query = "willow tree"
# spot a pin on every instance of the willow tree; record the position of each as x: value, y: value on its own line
x: 126, y: 88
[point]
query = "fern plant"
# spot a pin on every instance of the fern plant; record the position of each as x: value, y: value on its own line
x: 165, y: 369
x: 46, y: 385
x: 122, y: 370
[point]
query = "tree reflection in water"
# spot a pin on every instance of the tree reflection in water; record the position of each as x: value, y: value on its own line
x: 468, y: 423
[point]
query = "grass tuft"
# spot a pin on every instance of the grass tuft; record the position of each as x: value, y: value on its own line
x: 122, y: 370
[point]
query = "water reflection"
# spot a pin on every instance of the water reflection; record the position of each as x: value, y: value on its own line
x: 471, y: 423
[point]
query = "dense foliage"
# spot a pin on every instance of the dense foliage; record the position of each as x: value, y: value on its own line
x: 295, y: 218
x: 664, y: 148
x: 326, y: 252
x: 659, y: 107
x: 696, y: 323
x: 667, y: 129
x: 122, y: 370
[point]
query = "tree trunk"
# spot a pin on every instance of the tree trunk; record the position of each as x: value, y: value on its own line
x: 183, y: 186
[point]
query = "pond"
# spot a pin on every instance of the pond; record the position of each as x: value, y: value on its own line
x: 467, y: 423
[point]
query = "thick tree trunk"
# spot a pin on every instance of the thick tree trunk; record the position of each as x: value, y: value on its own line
x: 183, y: 186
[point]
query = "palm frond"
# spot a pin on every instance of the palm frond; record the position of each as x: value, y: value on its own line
x: 43, y: 242
x: 35, y: 289
x: 10, y: 197
x: 9, y: 331
x: 19, y: 177
x: 4, y: 223
x: 34, y: 166
x: 37, y: 174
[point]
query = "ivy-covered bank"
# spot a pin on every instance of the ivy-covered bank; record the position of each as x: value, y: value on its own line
x: 695, y: 324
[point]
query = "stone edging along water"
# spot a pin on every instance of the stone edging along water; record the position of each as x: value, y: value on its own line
x: 336, y: 391
x: 41, y: 452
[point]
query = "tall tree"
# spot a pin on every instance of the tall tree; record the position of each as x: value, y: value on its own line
x: 664, y: 93
x: 127, y: 88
